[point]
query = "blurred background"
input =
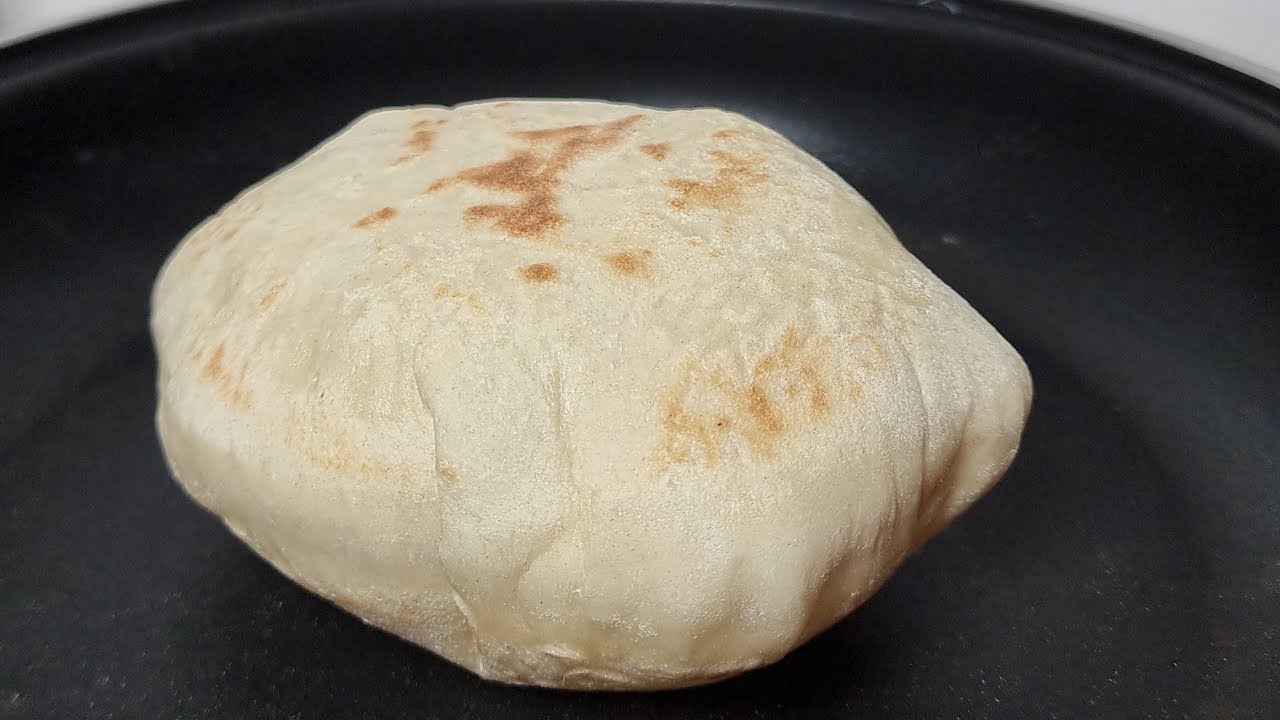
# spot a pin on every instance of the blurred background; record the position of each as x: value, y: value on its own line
x: 1242, y: 34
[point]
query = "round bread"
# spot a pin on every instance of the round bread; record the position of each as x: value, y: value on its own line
x: 576, y: 394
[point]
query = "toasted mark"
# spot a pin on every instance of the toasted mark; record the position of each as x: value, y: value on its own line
x: 657, y: 151
x: 871, y: 353
x: 269, y: 297
x: 534, y: 177
x: 340, y: 455
x: 817, y: 391
x: 375, y: 217
x: 230, y: 389
x: 406, y: 268
x: 762, y: 412
x: 448, y: 475
x: 727, y: 134
x: 724, y: 191
x: 685, y: 432
x: 213, y: 371
x: 445, y: 291
x: 540, y: 273
x: 419, y: 142
x: 534, y: 216
x: 790, y: 344
x: 715, y: 253
x: 631, y: 264
x: 789, y: 389
x: 215, y: 233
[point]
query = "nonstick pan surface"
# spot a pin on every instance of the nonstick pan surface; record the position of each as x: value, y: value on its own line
x: 1111, y: 205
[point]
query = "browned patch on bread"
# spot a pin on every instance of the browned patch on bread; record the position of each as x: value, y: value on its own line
x: 686, y: 434
x: 790, y: 388
x: 213, y: 371
x: 229, y: 388
x: 421, y: 138
x: 657, y: 151
x: 540, y: 273
x: 727, y: 134
x: 216, y: 232
x: 375, y: 217
x: 535, y: 177
x: 725, y: 190
x: 448, y: 475
x: 269, y: 297
x: 818, y: 402
x: 340, y: 455
x: 445, y: 291
x: 631, y: 264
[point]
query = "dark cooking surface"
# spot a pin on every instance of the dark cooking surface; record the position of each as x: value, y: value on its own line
x: 1119, y: 224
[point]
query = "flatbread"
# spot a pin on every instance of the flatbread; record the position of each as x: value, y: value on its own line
x: 576, y: 394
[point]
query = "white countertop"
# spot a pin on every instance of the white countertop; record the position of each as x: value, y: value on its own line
x: 1243, y: 34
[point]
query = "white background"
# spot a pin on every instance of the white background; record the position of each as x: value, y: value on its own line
x: 1244, y: 34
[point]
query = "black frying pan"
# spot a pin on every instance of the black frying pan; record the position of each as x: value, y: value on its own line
x: 1111, y: 205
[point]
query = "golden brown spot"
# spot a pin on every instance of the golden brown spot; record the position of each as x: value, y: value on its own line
x: 657, y: 151
x: 540, y: 273
x: 216, y: 232
x: 631, y: 264
x: 790, y: 344
x: 534, y: 216
x: 269, y: 297
x: 447, y: 291
x: 871, y: 354
x: 817, y: 391
x: 762, y: 412
x: 683, y: 429
x: 788, y: 390
x: 230, y: 389
x: 340, y: 455
x: 375, y: 217
x: 213, y: 371
x: 406, y: 268
x: 724, y: 191
x: 448, y: 475
x: 727, y: 134
x: 419, y: 142
x: 535, y: 177
x: 715, y: 253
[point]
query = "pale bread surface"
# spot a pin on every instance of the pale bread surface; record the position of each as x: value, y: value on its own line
x: 576, y: 394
